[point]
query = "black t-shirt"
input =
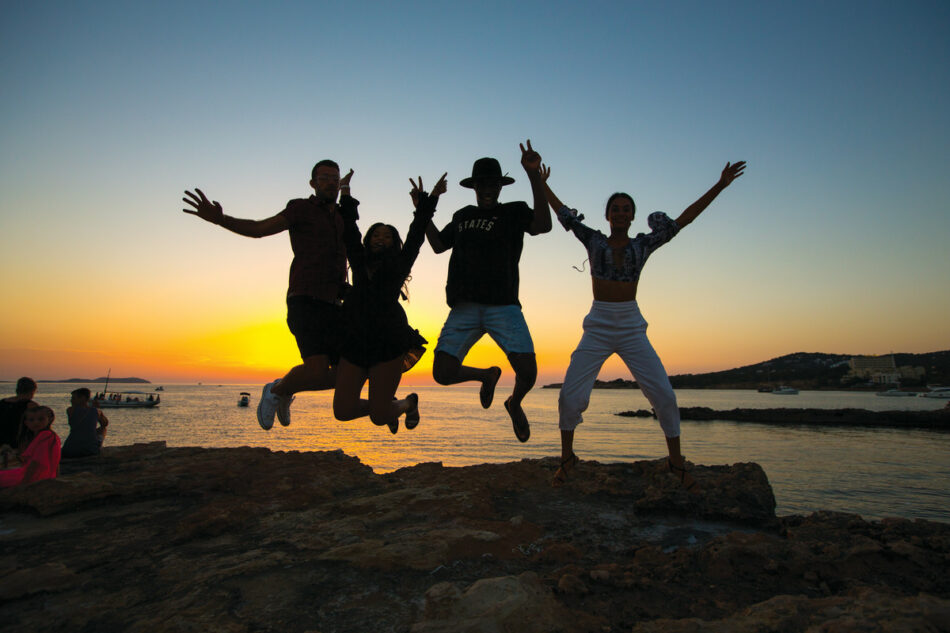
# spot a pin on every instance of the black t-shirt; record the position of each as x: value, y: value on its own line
x: 486, y: 248
x: 11, y: 411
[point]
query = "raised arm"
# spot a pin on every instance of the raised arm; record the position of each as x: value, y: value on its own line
x: 729, y: 173
x: 433, y: 235
x: 422, y: 219
x: 212, y: 212
x: 531, y: 161
x: 352, y: 238
x: 569, y: 218
x: 553, y: 201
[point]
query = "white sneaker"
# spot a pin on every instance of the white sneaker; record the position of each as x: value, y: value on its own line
x: 267, y: 407
x: 283, y: 409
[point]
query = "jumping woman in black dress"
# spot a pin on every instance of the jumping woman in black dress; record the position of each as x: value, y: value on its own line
x: 378, y: 344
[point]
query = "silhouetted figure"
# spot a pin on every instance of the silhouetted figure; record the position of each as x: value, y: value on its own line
x: 40, y: 456
x: 482, y: 287
x: 379, y: 344
x: 13, y: 408
x: 87, y: 426
x: 317, y: 282
x: 614, y: 324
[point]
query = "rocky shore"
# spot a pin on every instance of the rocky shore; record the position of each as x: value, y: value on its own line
x: 149, y: 539
x: 939, y: 419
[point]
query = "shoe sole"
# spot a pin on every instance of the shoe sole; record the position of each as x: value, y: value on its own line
x: 260, y: 417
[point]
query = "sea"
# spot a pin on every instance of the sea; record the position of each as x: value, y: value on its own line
x: 873, y: 472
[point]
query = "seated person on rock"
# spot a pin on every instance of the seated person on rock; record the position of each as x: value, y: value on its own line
x: 12, y: 409
x: 40, y: 456
x: 87, y: 426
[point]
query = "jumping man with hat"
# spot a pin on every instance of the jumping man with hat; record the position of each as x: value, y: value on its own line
x: 482, y: 286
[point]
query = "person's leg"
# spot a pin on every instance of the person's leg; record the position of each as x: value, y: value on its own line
x: 507, y: 327
x: 347, y: 404
x: 383, y: 381
x: 594, y: 349
x: 462, y: 329
x: 449, y: 370
x: 314, y: 374
x: 647, y: 369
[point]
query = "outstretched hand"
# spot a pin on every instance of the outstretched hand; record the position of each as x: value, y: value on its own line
x: 730, y: 172
x: 530, y: 159
x: 439, y: 188
x: 345, y: 180
x: 203, y: 208
x: 545, y: 172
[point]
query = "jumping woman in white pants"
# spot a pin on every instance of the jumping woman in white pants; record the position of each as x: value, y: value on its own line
x: 614, y: 324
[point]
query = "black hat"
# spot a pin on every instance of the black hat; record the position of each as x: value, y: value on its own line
x: 486, y: 168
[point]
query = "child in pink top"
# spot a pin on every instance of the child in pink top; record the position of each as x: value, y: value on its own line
x: 40, y: 458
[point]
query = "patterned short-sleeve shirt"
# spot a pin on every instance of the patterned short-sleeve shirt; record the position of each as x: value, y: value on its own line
x: 635, y: 253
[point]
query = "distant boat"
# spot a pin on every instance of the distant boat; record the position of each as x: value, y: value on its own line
x: 895, y: 393
x: 245, y: 399
x: 785, y: 391
x: 936, y: 392
x: 159, y: 388
x: 126, y: 400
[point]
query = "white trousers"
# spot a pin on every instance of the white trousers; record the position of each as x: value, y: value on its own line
x: 616, y: 328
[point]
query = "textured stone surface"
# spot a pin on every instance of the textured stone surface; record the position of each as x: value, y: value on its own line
x: 149, y: 538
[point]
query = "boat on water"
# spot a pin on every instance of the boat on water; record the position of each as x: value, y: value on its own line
x: 785, y: 391
x: 159, y: 388
x: 245, y: 399
x: 936, y: 392
x: 126, y: 400
x: 895, y: 393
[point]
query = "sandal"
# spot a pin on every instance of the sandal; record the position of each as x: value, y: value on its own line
x: 487, y: 393
x: 560, y: 475
x: 412, y: 413
x: 682, y: 470
x: 519, y: 421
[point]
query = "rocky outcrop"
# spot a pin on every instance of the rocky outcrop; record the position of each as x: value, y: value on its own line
x: 148, y: 538
x: 939, y: 419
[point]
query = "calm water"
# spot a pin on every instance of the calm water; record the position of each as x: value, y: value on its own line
x: 872, y: 472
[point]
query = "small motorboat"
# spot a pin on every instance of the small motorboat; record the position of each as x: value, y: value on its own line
x: 245, y: 399
x: 785, y: 391
x: 895, y: 393
x: 936, y: 392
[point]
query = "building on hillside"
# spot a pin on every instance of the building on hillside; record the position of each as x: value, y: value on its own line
x: 882, y: 369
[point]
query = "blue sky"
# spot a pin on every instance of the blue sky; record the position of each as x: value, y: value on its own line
x: 834, y: 240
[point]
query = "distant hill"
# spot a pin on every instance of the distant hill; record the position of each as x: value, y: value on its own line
x: 803, y: 370
x: 102, y: 379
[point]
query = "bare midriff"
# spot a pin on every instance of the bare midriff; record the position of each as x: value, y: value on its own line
x: 614, y: 291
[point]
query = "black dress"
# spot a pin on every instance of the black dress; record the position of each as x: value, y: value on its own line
x: 375, y: 326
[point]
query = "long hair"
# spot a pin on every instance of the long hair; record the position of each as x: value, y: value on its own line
x: 26, y: 435
x: 394, y: 250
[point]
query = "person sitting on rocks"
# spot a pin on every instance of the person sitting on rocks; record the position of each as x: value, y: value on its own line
x: 87, y: 427
x: 12, y: 409
x: 40, y: 457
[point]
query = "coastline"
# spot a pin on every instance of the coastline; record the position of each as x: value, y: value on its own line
x: 937, y: 419
x: 295, y: 541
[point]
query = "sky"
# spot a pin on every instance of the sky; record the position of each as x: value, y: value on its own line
x: 834, y: 240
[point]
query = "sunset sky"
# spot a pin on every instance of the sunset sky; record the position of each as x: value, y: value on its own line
x: 835, y: 239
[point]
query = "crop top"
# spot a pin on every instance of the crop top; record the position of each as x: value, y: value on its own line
x: 635, y: 253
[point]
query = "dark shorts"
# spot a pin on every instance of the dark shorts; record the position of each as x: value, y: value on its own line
x: 316, y: 326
